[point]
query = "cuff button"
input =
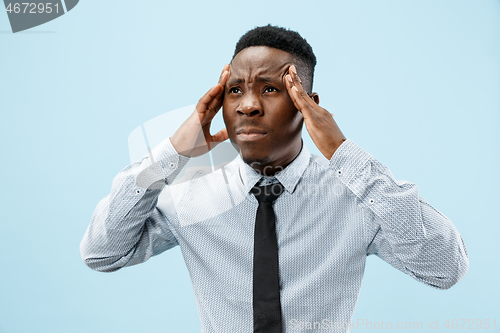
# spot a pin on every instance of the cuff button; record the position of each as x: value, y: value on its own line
x: 171, y: 165
x: 372, y: 201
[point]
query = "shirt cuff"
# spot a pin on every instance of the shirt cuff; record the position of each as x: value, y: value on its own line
x: 165, y: 165
x: 396, y: 204
x: 348, y: 161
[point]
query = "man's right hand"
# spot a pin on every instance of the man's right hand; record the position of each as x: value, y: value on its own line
x: 193, y: 137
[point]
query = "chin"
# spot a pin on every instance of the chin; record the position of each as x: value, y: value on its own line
x: 255, y: 160
x: 250, y: 154
x: 253, y: 157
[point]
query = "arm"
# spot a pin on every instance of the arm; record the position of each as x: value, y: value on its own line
x: 411, y: 235
x: 126, y: 227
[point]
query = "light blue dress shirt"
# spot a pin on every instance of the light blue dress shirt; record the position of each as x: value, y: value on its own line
x: 332, y: 215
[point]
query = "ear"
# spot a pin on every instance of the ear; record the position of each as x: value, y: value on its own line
x: 315, y: 97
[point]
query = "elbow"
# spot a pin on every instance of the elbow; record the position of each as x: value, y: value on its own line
x: 97, y: 263
x: 100, y: 265
x: 451, y: 277
x: 461, y: 268
x: 443, y: 283
x: 449, y: 266
x: 105, y: 265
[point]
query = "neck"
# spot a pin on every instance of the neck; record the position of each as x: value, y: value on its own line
x: 267, y: 168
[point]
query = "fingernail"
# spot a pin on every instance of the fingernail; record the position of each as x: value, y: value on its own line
x: 293, y: 69
x: 295, y: 88
x: 298, y: 78
x: 289, y: 78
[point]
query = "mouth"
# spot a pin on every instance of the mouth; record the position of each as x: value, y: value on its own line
x: 250, y: 134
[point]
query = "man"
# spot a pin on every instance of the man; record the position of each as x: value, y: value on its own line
x: 328, y: 214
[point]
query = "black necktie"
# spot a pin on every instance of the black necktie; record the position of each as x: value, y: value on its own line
x: 266, y: 288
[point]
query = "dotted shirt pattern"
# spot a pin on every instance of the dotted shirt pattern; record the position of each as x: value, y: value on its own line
x: 331, y: 216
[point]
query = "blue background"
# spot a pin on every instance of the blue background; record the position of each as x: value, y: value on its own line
x: 415, y: 83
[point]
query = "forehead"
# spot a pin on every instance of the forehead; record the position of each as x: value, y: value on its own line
x: 259, y: 60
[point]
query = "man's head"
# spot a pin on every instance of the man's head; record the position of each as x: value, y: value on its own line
x: 260, y: 117
x: 285, y: 40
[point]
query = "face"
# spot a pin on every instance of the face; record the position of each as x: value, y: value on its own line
x: 260, y: 117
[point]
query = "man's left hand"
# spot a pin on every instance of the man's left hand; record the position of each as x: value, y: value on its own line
x: 320, y: 124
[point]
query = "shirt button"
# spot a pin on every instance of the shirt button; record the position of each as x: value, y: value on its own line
x: 339, y: 172
x: 171, y: 165
x: 372, y: 201
x: 138, y: 191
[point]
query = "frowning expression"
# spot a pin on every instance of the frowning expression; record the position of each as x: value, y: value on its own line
x: 260, y: 117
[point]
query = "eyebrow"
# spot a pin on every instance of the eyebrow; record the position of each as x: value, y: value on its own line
x: 262, y: 79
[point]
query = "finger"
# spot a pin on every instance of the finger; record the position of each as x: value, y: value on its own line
x: 224, y: 76
x: 211, y: 104
x: 289, y: 85
x: 297, y: 82
x: 298, y: 98
x: 292, y: 79
x: 216, y: 103
x: 215, y: 93
x: 220, y: 136
x: 293, y: 71
x: 225, y: 69
x: 202, y: 105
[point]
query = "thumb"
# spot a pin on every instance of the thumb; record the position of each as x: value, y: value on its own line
x: 220, y: 136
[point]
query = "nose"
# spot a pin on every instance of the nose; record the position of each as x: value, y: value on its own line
x: 249, y: 105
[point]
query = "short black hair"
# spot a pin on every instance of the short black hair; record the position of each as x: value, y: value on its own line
x: 285, y: 40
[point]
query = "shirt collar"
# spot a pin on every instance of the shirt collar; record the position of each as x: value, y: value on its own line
x: 288, y: 177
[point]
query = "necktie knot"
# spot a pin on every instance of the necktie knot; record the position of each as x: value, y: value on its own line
x: 268, y: 193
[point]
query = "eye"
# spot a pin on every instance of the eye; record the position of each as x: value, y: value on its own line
x: 270, y: 89
x: 234, y: 90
